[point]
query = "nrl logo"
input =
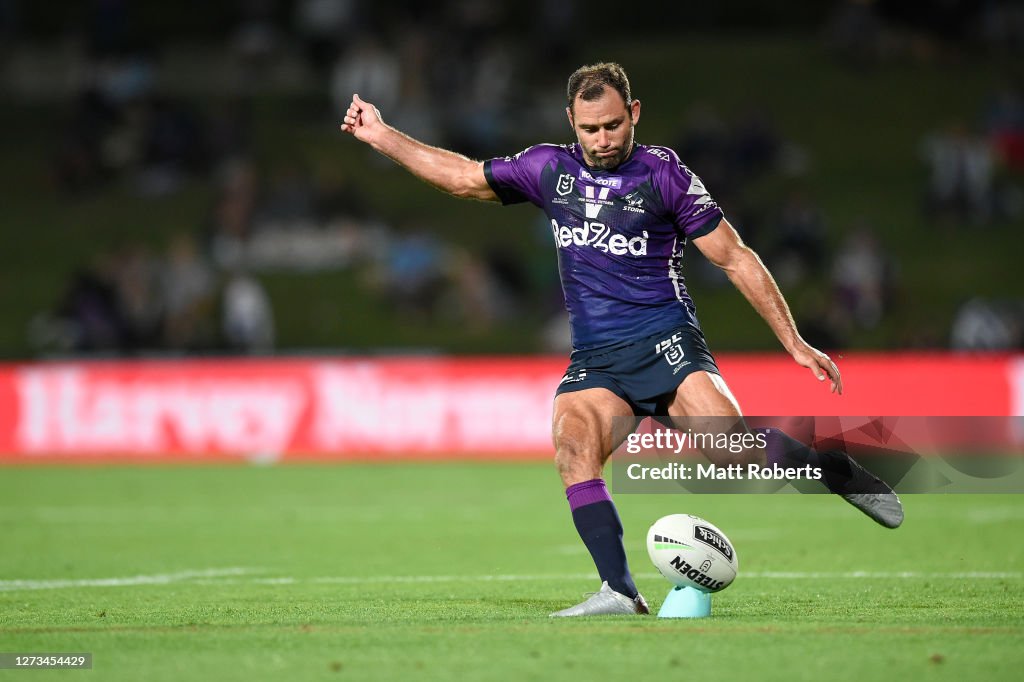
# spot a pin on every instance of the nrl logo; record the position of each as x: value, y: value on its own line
x: 565, y: 182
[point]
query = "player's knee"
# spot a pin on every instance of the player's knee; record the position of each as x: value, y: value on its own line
x: 569, y: 438
x: 576, y: 461
x: 567, y: 454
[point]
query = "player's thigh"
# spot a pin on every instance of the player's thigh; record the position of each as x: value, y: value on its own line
x: 703, y: 403
x: 590, y: 423
x: 703, y: 394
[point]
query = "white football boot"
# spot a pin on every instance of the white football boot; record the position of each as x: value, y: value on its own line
x: 606, y: 602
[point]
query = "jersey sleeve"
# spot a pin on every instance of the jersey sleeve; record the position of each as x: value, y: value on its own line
x: 692, y: 208
x: 516, y: 179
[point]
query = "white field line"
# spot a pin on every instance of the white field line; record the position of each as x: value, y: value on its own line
x: 157, y: 579
x: 887, y: 575
x: 231, y: 576
x: 769, y: 575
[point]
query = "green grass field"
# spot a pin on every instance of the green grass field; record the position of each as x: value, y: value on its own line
x: 448, y: 571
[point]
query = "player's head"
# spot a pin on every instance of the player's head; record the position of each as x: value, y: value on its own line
x: 602, y: 113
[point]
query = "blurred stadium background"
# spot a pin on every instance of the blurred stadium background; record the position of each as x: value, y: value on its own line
x: 175, y: 188
x: 197, y: 265
x: 175, y: 182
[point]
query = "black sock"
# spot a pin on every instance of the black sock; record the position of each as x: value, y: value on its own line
x: 600, y: 528
x: 788, y: 453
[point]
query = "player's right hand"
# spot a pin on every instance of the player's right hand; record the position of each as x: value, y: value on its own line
x: 362, y: 119
x: 820, y: 364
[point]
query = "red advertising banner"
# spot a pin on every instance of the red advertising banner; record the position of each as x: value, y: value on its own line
x: 415, y: 407
x: 908, y: 384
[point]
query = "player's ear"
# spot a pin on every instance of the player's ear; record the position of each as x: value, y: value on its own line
x: 634, y: 111
x: 568, y: 112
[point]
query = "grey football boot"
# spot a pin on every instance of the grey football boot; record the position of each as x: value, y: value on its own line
x: 870, y: 494
x: 606, y: 602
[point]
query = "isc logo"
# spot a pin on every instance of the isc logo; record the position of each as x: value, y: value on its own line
x: 598, y: 236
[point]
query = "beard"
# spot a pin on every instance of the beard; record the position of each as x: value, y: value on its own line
x: 609, y: 162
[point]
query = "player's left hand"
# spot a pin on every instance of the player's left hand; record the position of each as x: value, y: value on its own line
x: 820, y: 364
x: 362, y: 119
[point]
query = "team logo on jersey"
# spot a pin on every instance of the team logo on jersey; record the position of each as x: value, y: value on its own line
x: 633, y: 202
x: 565, y: 182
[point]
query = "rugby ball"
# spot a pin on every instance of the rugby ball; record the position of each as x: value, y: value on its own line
x: 691, y: 552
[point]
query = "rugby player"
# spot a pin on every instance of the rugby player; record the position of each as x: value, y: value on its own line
x: 621, y: 214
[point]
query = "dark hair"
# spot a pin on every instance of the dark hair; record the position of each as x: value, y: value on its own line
x: 590, y: 81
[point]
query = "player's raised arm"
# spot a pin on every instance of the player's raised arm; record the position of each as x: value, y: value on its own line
x: 723, y: 247
x: 445, y: 170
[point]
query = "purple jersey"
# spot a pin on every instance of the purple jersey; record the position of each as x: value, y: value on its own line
x: 620, y: 234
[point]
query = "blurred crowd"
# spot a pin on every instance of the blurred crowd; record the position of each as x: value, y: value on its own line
x: 124, y: 131
x: 972, y: 166
x: 974, y: 183
x: 789, y: 231
x: 457, y: 72
x: 130, y: 300
x: 466, y: 75
x: 871, y: 33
